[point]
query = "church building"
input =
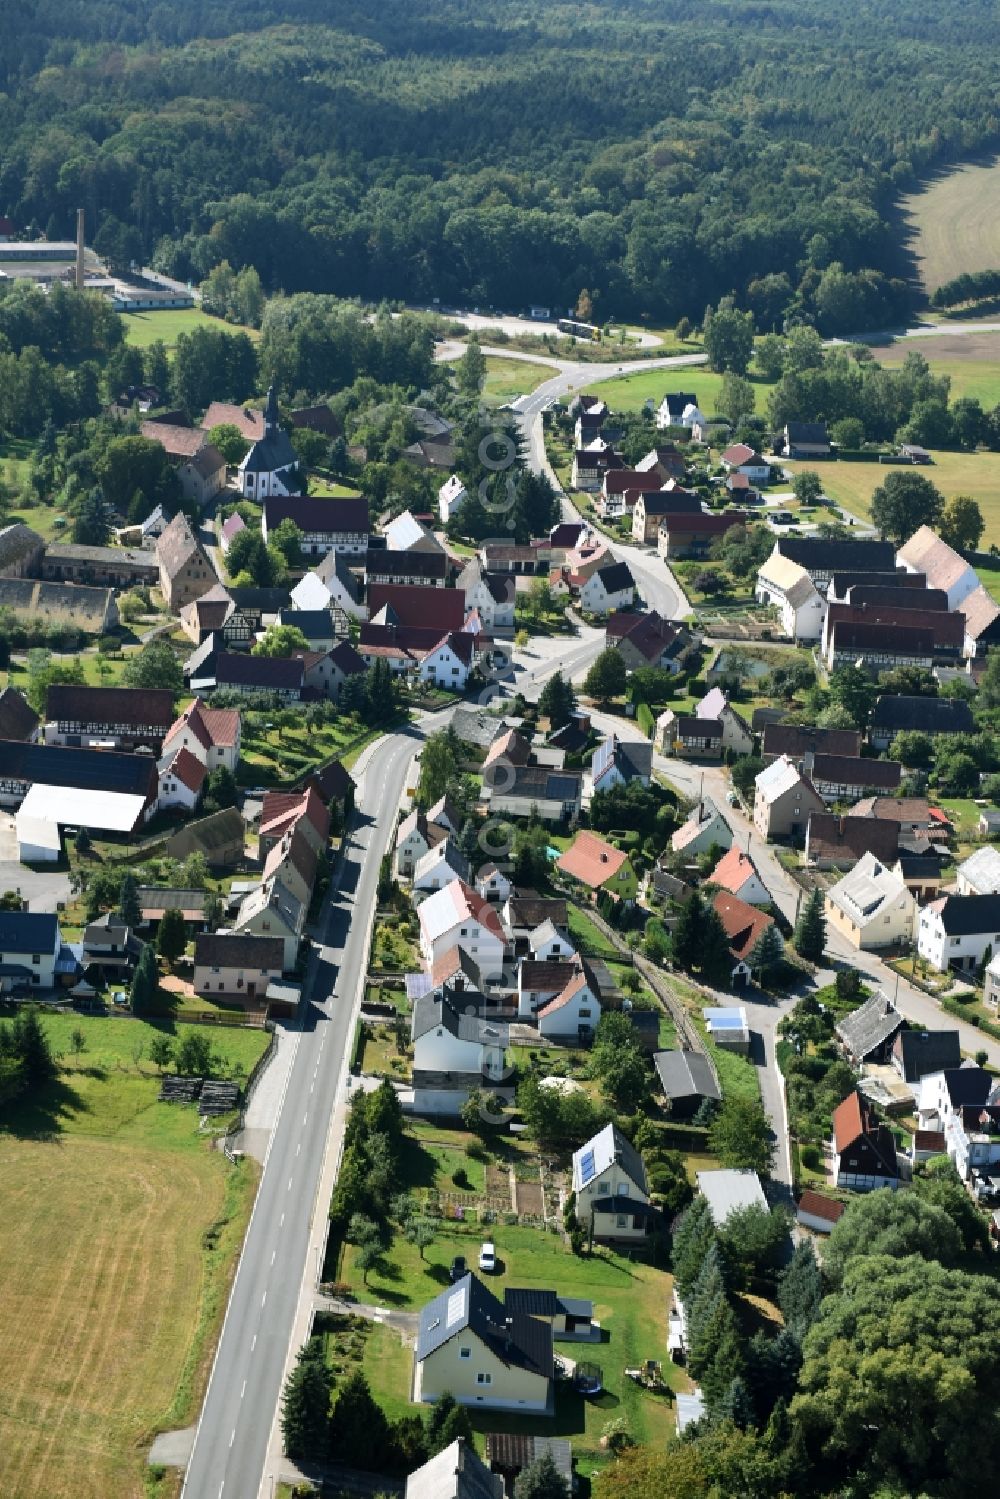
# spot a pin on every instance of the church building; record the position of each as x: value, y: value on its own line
x: 271, y: 467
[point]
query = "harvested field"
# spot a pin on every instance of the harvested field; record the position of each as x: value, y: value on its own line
x: 954, y: 223
x: 972, y: 360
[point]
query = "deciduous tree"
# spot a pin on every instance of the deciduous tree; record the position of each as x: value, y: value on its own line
x: 903, y: 502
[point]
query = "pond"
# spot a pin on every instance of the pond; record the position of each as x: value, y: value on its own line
x: 737, y: 663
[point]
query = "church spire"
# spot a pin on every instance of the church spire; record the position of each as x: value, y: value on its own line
x: 271, y: 412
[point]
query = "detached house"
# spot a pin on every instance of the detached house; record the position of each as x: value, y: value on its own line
x: 737, y: 874
x: 599, y: 866
x: 469, y: 1346
x: 738, y: 458
x: 451, y: 497
x: 619, y: 762
x: 611, y: 1188
x: 609, y: 588
x: 235, y: 963
x: 871, y: 906
x: 705, y: 826
x: 784, y: 801
x: 571, y: 1016
x: 867, y: 1033
x: 864, y: 1149
x: 679, y: 409
x: 737, y: 735
x: 689, y: 736
x: 491, y: 595
x: 806, y: 440
x: 459, y: 917
x: 30, y: 948
x: 212, y: 735
x: 744, y: 926
x: 185, y: 571
x: 787, y: 587
x: 960, y: 932
x: 456, y: 1050
x: 416, y: 836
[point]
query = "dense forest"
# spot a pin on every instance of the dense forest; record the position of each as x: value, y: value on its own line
x: 660, y: 155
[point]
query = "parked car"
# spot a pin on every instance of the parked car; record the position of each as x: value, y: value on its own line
x: 488, y: 1258
x: 458, y: 1268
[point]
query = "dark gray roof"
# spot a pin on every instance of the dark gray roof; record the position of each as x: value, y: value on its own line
x: 968, y: 1085
x: 544, y: 1303
x: 268, y: 672
x: 315, y: 624
x: 924, y: 1052
x: 461, y: 1012
x: 686, y: 1074
x: 27, y: 931
x: 807, y: 432
x: 813, y: 553
x: 616, y: 577
x: 331, y: 517
x: 239, y: 950
x: 518, y: 1341
x: 866, y: 1029
x: 931, y: 715
x: 473, y: 726
x: 410, y: 564
x: 969, y: 915
x: 88, y: 770
x: 549, y: 785
x: 18, y: 718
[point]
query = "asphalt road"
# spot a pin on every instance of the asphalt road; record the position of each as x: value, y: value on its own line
x: 230, y: 1446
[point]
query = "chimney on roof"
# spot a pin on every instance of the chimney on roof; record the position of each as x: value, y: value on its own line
x: 808, y: 761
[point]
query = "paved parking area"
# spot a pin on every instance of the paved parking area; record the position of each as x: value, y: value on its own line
x: 43, y: 889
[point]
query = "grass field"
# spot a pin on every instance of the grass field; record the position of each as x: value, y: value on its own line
x: 508, y: 378
x: 971, y: 360
x: 117, y: 1239
x: 955, y: 223
x: 144, y: 328
x: 976, y: 474
x: 630, y: 392
x: 630, y: 1302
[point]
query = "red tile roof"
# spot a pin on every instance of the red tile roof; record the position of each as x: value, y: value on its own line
x: 440, y: 609
x: 189, y: 771
x: 743, y: 924
x: 590, y: 860
x: 819, y: 1206
x: 733, y: 870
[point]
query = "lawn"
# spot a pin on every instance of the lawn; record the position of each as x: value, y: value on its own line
x: 587, y: 936
x: 978, y: 474
x: 118, y: 1238
x: 51, y: 523
x: 271, y: 757
x: 630, y: 1302
x: 990, y: 578
x: 630, y: 392
x: 955, y: 222
x: 506, y: 379
x: 145, y: 328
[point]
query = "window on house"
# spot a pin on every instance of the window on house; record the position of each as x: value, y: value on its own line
x: 465, y: 1353
x: 36, y: 957
x: 620, y: 1220
x: 482, y: 1378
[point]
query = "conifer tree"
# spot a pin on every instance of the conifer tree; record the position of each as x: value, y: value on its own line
x: 688, y: 931
x: 305, y: 1404
x: 809, y: 937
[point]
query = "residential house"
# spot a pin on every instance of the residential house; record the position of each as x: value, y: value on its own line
x: 236, y: 964
x: 871, y: 906
x: 867, y: 1033
x: 959, y: 932
x: 737, y: 874
x: 942, y: 566
x: 111, y: 946
x: 979, y: 874
x: 684, y: 536
x: 317, y: 625
x: 458, y: 917
x: 538, y: 790
x: 281, y: 811
x: 840, y: 778
x: 687, y: 1080
x: 738, y: 458
x: 611, y: 1188
x: 665, y: 459
x: 796, y: 741
x: 446, y: 815
x: 548, y: 943
x: 737, y: 736
x: 219, y: 837
x: 806, y: 440
x: 570, y: 1017
x: 524, y: 913
x: 31, y: 945
x: 204, y: 615
x: 647, y: 640
x: 609, y: 588
x: 272, y: 911
x: 880, y: 648
x: 128, y: 718
x: 822, y: 558
x: 689, y: 736
x: 449, y: 663
x: 331, y: 585
x: 492, y: 595
x: 591, y: 462
x: 212, y: 735
x: 181, y: 779
x: 917, y: 1054
x: 406, y: 568
x: 327, y: 525
x: 619, y: 762
x: 457, y: 1049
x: 439, y: 866
x: 679, y: 409
x: 913, y: 815
x: 787, y: 586
x: 864, y: 1149
x: 438, y: 609
x: 492, y: 884
x: 416, y: 836
x: 334, y: 785
x: 599, y: 866
x: 728, y: 1191
x: 276, y: 676
x: 202, y: 476
x: 271, y: 465
x: 834, y: 841
x: 650, y: 509
x: 894, y: 715
x: 405, y: 533
x: 469, y: 1347
x: 617, y: 481
x: 818, y: 1212
x: 784, y: 800
x: 230, y: 529
x: 18, y: 719
x: 456, y: 1473
x: 326, y: 673
x: 921, y: 872
x: 982, y: 623
x: 903, y: 627
x: 744, y: 926
x: 991, y: 983
x: 293, y: 860
x: 510, y: 1452
x: 705, y: 828
x: 451, y: 497
x: 185, y: 571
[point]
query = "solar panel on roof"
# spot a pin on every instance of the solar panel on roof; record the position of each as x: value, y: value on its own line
x: 456, y: 1307
x: 587, y: 1167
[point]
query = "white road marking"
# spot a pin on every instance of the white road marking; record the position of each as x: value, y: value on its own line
x: 297, y: 1149
x: 289, y: 1187
x: 273, y: 1253
x: 244, y: 1389
x: 282, y: 1223
x: 232, y: 1439
x: 312, y: 1087
x: 253, y: 1345
x: 305, y: 1118
x: 263, y: 1298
